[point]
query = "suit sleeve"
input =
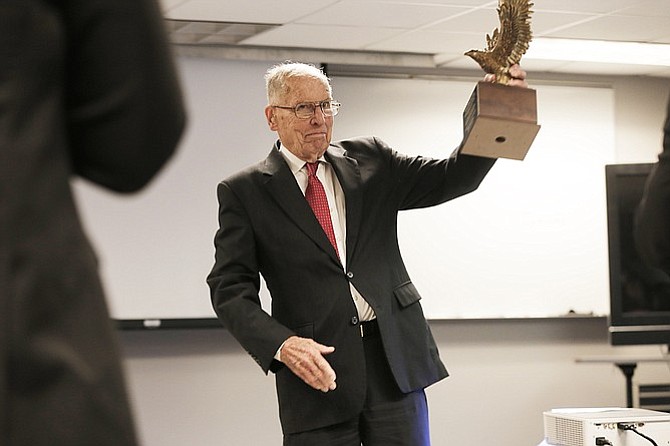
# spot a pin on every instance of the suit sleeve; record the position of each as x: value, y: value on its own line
x: 423, y: 181
x: 124, y: 106
x: 235, y: 283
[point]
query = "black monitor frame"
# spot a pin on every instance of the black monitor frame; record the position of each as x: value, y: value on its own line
x: 634, y: 318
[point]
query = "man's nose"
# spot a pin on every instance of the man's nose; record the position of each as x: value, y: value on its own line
x: 319, y: 116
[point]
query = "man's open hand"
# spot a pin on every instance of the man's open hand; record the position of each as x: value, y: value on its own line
x: 304, y: 357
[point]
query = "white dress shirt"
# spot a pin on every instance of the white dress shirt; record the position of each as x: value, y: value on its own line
x: 338, y: 215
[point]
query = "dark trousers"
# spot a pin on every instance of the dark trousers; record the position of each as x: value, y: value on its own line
x: 389, y: 417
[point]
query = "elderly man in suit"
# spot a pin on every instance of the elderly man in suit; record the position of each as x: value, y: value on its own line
x: 347, y: 337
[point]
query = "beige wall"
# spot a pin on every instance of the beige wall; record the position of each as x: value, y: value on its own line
x: 641, y: 105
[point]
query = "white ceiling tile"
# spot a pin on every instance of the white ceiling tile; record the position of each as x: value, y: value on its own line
x: 248, y: 11
x: 543, y: 22
x: 319, y: 36
x: 649, y: 8
x: 429, y: 42
x: 584, y: 6
x: 618, y: 28
x: 480, y: 21
x: 455, y: 3
x: 379, y: 14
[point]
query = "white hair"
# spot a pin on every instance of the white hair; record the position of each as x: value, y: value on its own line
x: 276, y: 78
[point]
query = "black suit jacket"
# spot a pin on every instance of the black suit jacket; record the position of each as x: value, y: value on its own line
x: 267, y: 227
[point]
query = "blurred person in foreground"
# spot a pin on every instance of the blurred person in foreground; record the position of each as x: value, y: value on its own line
x: 87, y: 88
x: 652, y: 228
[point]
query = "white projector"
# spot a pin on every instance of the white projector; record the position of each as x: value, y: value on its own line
x: 607, y: 426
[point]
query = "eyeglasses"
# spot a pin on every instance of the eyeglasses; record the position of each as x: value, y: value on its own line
x: 306, y: 110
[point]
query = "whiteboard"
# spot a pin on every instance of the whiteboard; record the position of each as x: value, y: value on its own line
x: 531, y: 242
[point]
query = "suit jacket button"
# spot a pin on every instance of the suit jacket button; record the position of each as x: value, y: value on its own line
x: 354, y: 320
x: 350, y: 275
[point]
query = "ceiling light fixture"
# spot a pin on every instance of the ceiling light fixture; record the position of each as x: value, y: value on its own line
x: 599, y: 51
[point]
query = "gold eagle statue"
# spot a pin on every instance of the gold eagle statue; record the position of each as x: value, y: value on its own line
x: 509, y: 42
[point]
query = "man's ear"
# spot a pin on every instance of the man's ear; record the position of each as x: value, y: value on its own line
x: 271, y: 118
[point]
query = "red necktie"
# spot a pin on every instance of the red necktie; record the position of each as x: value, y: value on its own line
x: 316, y: 197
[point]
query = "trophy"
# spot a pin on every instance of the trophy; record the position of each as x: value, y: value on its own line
x: 500, y: 121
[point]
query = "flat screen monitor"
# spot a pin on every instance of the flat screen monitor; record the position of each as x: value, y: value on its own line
x: 639, y: 293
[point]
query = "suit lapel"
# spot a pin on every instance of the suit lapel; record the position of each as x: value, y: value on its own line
x: 346, y: 169
x: 281, y: 185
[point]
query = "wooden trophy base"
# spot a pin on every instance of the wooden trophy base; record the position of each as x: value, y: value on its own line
x: 500, y: 121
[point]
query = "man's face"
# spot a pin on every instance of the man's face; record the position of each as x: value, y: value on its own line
x: 309, y: 138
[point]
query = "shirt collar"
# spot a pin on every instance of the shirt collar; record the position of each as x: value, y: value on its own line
x: 294, y: 163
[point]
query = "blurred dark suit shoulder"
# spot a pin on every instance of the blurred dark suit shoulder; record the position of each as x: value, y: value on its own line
x: 652, y: 229
x: 87, y: 87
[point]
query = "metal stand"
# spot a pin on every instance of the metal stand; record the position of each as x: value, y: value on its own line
x: 627, y: 367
